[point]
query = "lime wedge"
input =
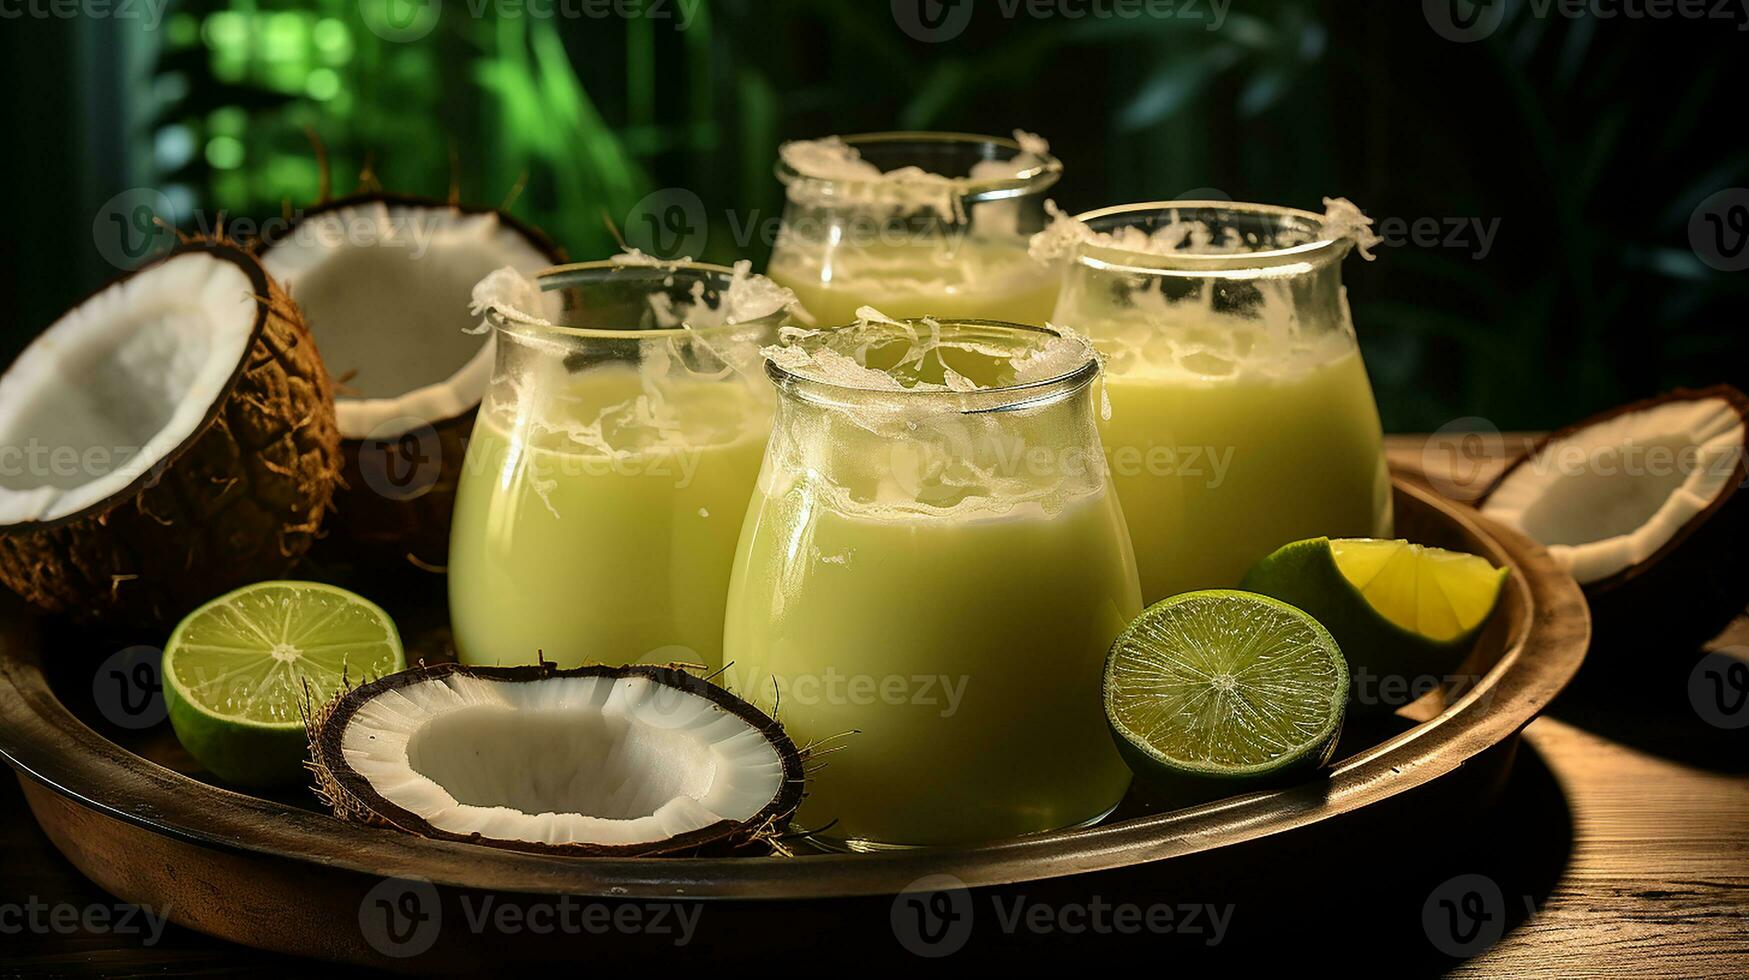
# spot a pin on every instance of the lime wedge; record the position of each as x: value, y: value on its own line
x: 1400, y: 610
x: 235, y: 669
x: 1207, y: 688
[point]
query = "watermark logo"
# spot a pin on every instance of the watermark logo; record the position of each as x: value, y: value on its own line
x: 400, y: 21
x: 128, y: 688
x: 150, y: 13
x: 401, y: 459
x: 41, y: 918
x: 940, y: 694
x: 1461, y: 456
x: 1718, y: 687
x: 134, y: 227
x: 1718, y: 230
x: 669, y: 224
x: 401, y: 917
x: 1465, y: 915
x: 1464, y: 21
x: 1204, y: 194
x: 1472, y: 234
x: 932, y: 917
x: 932, y: 21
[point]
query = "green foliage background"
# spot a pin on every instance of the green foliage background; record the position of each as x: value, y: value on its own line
x: 1585, y: 143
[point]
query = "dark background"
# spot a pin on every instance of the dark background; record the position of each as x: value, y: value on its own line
x: 1584, y: 147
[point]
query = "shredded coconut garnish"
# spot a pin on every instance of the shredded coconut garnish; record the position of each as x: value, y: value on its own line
x: 1343, y: 220
x: 1065, y: 233
x: 832, y: 171
x: 507, y: 289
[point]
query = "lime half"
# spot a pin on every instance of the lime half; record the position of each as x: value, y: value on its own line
x: 1400, y: 610
x: 1216, y: 686
x: 235, y: 669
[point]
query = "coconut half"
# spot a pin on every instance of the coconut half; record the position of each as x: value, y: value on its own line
x: 1643, y: 505
x: 168, y: 439
x: 384, y: 282
x: 594, y: 760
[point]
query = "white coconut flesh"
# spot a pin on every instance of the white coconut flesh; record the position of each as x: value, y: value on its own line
x: 384, y: 289
x: 1610, y: 495
x: 565, y: 760
x: 119, y: 382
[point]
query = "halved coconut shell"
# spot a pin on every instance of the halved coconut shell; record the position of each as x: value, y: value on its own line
x: 593, y: 760
x: 184, y: 431
x: 1645, y: 505
x: 384, y: 282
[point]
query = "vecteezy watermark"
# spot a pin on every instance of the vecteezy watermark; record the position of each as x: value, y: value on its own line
x: 128, y: 688
x: 1464, y: 21
x: 669, y: 224
x: 1462, y: 456
x: 1465, y: 915
x: 1718, y: 687
x: 37, y: 917
x: 149, y: 13
x: 139, y: 225
x: 42, y: 461
x: 1472, y: 234
x: 942, y: 694
x: 401, y: 459
x: 403, y: 917
x: 404, y: 21
x: 943, y: 455
x: 937, y: 21
x: 1718, y: 230
x: 1373, y: 690
x: 400, y: 21
x: 134, y: 227
x: 935, y: 917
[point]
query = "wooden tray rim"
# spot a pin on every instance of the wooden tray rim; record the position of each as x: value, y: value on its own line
x: 45, y: 742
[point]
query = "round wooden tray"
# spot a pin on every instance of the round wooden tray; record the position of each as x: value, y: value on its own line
x: 277, y: 873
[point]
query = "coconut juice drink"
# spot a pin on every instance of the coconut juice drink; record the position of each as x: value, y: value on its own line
x: 609, y: 469
x: 1241, y: 417
x: 617, y: 551
x: 927, y: 583
x: 916, y: 224
x: 988, y: 278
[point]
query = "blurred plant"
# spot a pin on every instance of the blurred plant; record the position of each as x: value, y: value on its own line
x: 1588, y: 147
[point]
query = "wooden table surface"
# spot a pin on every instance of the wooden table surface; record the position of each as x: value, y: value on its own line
x: 1621, y: 846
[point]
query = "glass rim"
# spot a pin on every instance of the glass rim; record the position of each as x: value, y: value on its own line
x: 507, y: 319
x: 973, y: 190
x: 1068, y: 382
x: 1318, y: 251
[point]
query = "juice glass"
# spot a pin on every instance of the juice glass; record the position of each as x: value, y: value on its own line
x: 915, y: 224
x: 610, y: 466
x: 930, y: 574
x: 1241, y: 415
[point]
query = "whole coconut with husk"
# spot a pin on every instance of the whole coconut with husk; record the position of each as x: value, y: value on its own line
x: 384, y: 281
x: 173, y: 438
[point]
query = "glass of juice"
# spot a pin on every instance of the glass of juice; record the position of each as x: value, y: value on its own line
x: 611, y: 464
x: 930, y: 574
x: 915, y: 224
x: 1241, y: 414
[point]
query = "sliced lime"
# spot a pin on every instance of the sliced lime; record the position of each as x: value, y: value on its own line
x: 235, y: 669
x: 1400, y: 610
x: 1223, y: 685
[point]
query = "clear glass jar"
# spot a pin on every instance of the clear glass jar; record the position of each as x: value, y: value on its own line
x: 1241, y: 414
x: 933, y: 561
x: 942, y: 231
x: 610, y: 467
